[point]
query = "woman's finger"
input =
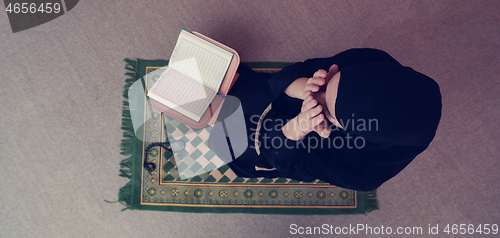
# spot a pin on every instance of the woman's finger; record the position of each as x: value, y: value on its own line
x: 313, y: 112
x: 312, y: 88
x: 307, y: 93
x: 322, y: 129
x: 317, y: 120
x: 307, y: 124
x: 314, y: 84
x: 321, y: 73
x: 309, y: 119
x: 309, y: 104
x: 307, y: 99
x: 316, y: 81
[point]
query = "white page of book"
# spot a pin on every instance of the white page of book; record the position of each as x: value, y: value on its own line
x: 201, y: 60
x: 183, y: 92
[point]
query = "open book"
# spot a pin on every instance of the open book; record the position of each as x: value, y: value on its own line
x: 199, y: 74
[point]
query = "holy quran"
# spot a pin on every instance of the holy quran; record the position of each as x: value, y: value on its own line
x: 198, y: 77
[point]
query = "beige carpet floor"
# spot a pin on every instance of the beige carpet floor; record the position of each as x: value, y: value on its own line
x: 61, y: 96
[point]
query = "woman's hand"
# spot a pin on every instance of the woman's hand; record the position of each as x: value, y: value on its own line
x: 308, y: 119
x: 315, y: 88
x: 310, y: 115
x: 319, y: 80
x: 323, y: 128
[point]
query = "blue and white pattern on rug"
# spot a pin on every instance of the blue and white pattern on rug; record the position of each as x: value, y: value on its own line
x: 190, y: 149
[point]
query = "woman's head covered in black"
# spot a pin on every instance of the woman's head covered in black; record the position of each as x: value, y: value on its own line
x: 386, y: 104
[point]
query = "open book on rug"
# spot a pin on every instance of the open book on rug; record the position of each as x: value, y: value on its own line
x: 198, y: 77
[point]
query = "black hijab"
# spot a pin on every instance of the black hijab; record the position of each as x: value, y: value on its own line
x: 400, y: 108
x: 388, y: 104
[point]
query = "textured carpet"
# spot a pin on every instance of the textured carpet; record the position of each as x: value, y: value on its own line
x: 61, y: 98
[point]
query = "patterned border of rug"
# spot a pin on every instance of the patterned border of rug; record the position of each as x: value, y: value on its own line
x: 218, y: 191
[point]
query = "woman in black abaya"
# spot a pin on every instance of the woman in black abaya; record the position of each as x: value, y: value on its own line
x: 354, y: 120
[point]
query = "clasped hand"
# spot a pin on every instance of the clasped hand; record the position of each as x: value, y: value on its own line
x: 311, y: 117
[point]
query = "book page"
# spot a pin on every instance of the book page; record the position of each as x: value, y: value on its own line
x: 200, y: 60
x: 182, y: 93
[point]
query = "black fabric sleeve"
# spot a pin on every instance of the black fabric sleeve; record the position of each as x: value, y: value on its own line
x: 287, y: 156
x: 280, y: 81
x: 314, y: 157
x: 282, y: 153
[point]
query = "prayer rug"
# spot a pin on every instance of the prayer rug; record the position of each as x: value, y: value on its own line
x: 220, y: 190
